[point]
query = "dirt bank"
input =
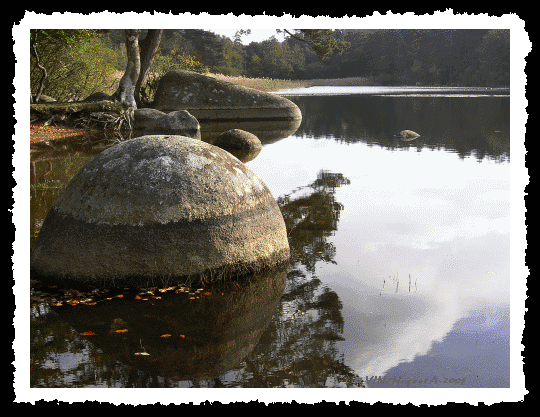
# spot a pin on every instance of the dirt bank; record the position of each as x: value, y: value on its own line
x: 41, y: 133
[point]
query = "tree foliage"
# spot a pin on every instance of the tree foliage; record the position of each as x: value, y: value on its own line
x: 325, y: 42
x: 446, y: 57
x: 70, y: 64
x: 77, y: 63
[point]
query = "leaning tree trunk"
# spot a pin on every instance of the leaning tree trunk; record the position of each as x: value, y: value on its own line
x: 125, y: 93
x: 149, y: 46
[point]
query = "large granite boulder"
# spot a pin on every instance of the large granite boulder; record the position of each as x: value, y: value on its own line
x: 156, y: 209
x: 208, y: 98
x: 155, y: 122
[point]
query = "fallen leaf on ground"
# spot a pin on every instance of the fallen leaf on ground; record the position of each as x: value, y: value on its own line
x: 87, y: 334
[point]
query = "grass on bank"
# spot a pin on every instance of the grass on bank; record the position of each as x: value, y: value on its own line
x: 263, y: 84
x: 270, y: 84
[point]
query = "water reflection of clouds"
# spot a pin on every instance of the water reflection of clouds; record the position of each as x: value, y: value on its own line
x: 382, y: 331
x: 441, y: 219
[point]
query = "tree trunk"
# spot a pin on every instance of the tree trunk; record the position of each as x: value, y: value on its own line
x: 149, y: 46
x: 42, y: 68
x: 126, y: 90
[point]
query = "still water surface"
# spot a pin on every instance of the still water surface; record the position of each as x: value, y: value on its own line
x: 400, y: 271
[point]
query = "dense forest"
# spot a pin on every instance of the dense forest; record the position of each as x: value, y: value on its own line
x: 383, y: 57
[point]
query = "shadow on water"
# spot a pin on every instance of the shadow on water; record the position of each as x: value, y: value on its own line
x: 177, y: 332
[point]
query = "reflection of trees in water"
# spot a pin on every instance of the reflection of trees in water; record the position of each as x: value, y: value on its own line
x: 478, y: 126
x: 299, y: 346
x: 312, y: 218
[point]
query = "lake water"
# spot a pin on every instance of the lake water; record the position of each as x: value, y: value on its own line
x: 401, y: 261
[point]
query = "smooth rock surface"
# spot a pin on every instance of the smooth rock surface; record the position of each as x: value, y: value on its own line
x: 159, y: 208
x: 243, y: 145
x: 237, y: 139
x: 208, y: 98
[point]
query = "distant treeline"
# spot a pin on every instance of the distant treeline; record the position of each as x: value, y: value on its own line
x: 80, y: 65
x: 393, y: 57
x: 427, y: 57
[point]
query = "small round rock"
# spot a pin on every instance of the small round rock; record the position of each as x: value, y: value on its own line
x: 237, y: 139
x: 408, y: 135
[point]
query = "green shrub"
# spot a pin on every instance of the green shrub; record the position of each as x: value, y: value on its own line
x: 74, y: 71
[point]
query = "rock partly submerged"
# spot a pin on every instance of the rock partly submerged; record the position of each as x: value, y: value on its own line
x: 243, y: 145
x: 407, y: 135
x: 154, y: 122
x: 158, y: 208
x: 238, y: 139
x: 208, y: 98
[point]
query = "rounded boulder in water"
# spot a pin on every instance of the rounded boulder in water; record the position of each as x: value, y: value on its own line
x: 237, y: 139
x: 155, y: 208
x: 408, y: 135
x: 243, y: 145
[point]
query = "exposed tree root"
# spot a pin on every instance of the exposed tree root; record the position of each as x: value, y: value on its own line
x: 103, y: 115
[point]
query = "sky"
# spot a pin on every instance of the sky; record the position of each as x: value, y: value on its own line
x: 257, y: 35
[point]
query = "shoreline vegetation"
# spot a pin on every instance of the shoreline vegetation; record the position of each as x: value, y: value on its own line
x: 43, y: 132
x: 270, y: 84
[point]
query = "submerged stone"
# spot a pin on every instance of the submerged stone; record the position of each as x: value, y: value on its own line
x: 159, y: 207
